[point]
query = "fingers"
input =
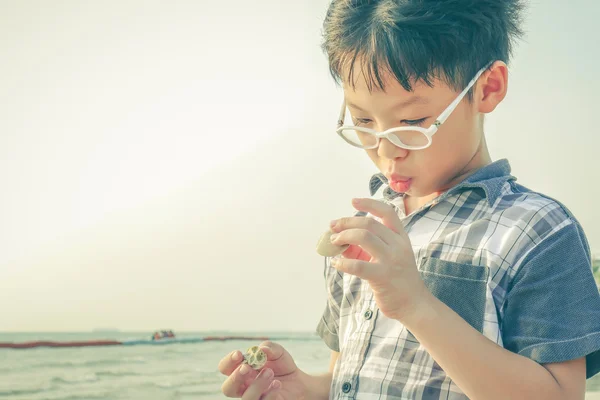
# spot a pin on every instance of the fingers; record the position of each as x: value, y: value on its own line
x: 366, y: 223
x: 274, y: 351
x: 245, y: 382
x: 239, y: 380
x: 230, y: 362
x: 260, y: 385
x: 274, y: 391
x: 356, y: 253
x: 386, y: 212
x: 368, y: 241
x: 278, y: 359
x: 362, y: 269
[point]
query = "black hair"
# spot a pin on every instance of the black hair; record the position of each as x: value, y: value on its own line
x: 419, y: 40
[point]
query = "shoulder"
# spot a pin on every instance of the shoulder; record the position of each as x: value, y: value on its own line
x: 536, y: 213
x: 528, y: 203
x: 537, y: 222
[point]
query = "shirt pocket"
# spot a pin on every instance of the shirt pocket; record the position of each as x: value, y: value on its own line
x: 462, y: 287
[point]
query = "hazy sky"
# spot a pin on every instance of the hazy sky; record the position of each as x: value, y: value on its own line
x: 172, y: 164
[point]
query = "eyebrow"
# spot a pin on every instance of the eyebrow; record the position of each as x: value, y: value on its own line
x: 406, y: 103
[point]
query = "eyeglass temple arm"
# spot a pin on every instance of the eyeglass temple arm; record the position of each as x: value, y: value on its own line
x: 340, y: 122
x: 443, y: 116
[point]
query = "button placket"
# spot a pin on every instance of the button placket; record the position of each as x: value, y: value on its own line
x: 368, y: 312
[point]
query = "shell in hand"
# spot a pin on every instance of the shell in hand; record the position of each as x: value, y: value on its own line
x: 328, y: 249
x: 255, y: 357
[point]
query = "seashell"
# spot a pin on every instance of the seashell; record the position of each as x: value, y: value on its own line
x: 255, y: 357
x: 328, y: 249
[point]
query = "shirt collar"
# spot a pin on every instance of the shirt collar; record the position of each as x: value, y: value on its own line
x: 489, y: 178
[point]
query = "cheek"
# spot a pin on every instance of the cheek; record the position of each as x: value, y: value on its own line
x: 450, y: 148
x: 459, y: 136
x: 434, y: 160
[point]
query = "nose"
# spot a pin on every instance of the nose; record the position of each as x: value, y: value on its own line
x: 390, y: 151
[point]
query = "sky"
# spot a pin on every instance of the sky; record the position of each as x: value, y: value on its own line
x: 172, y: 164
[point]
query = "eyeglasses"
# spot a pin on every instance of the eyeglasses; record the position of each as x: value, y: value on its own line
x: 406, y: 137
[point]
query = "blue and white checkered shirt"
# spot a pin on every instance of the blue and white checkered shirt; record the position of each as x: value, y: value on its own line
x: 513, y: 263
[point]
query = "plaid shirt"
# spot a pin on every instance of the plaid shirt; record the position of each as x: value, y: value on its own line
x: 513, y: 263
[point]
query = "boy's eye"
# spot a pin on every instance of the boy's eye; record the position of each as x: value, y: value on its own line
x: 414, y: 122
x: 410, y: 122
x: 361, y: 121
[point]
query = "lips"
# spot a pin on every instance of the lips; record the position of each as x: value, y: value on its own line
x: 398, y: 178
x: 400, y: 184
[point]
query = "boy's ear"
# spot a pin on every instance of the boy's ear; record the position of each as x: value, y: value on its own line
x: 492, y: 87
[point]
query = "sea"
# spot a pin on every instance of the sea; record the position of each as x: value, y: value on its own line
x: 174, y: 371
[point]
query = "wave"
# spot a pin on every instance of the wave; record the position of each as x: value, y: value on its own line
x: 24, y: 391
x: 191, y: 382
x: 99, y: 396
x: 211, y: 378
x: 134, y: 360
x: 197, y: 392
x: 118, y: 373
x: 78, y: 364
x: 76, y: 379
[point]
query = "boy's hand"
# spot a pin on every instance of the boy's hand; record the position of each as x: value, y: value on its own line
x: 381, y: 254
x: 279, y: 379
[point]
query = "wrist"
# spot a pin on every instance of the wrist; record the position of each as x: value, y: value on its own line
x: 423, y: 312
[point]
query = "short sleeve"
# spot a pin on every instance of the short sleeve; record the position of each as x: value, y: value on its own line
x: 552, y: 311
x: 328, y: 326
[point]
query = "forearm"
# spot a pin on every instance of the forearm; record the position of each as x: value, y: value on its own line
x: 318, y: 385
x: 481, y: 368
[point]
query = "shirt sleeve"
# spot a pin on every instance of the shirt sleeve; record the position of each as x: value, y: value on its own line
x: 329, y: 324
x: 552, y: 311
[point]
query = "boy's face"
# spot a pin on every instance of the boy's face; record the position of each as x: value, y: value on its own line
x: 458, y: 147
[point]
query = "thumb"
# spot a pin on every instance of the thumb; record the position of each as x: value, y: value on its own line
x: 278, y: 359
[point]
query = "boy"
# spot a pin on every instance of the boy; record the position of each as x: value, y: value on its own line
x: 467, y: 285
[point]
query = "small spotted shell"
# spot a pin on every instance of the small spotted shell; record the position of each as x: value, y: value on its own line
x: 328, y: 249
x: 255, y: 357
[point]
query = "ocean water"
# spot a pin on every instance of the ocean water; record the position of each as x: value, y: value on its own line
x: 175, y: 371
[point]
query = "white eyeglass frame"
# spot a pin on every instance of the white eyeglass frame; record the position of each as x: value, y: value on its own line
x: 428, y: 132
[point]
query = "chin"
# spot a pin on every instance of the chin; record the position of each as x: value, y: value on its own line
x: 420, y: 191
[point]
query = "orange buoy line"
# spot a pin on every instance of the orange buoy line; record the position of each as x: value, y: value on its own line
x: 40, y: 343
x: 133, y: 342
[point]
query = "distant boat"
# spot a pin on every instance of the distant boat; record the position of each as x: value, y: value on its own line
x: 163, y: 334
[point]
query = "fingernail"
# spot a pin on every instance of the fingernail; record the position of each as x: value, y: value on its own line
x: 333, y: 223
x: 275, y: 385
x: 333, y: 237
x: 334, y: 261
x: 267, y: 373
x: 265, y: 348
x: 355, y: 201
x: 236, y: 356
x: 244, y: 369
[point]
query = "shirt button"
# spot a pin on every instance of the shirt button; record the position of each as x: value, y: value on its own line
x: 368, y: 314
x: 346, y: 387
